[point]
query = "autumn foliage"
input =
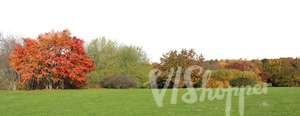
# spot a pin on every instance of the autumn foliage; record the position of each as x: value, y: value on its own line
x: 183, y: 59
x: 54, y: 59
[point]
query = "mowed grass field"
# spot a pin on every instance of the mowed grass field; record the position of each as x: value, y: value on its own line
x: 139, y: 102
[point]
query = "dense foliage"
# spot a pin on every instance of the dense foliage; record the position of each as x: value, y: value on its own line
x: 284, y: 72
x: 280, y: 72
x: 114, y: 59
x: 224, y: 77
x: 179, y: 59
x: 59, y: 60
x: 54, y: 59
x: 277, y: 72
x: 242, y: 82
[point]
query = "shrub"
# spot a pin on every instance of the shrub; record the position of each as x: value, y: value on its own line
x: 298, y: 83
x: 229, y: 74
x: 118, y: 82
x: 226, y: 77
x: 242, y: 82
x: 198, y: 84
x: 4, y: 83
x: 217, y: 83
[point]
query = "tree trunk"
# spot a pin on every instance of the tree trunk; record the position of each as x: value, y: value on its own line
x: 49, y: 84
x: 14, y: 86
x: 62, y: 84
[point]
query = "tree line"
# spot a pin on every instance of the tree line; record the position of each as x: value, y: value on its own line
x: 59, y: 60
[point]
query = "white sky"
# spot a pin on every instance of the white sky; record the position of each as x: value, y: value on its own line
x: 217, y: 28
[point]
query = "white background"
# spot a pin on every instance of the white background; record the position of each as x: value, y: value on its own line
x: 217, y: 28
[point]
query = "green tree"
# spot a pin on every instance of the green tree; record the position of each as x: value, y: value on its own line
x: 113, y: 59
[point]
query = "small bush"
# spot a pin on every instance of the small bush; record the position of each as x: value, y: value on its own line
x: 242, y: 82
x: 161, y: 84
x: 198, y: 84
x: 4, y: 84
x: 118, y: 82
x: 298, y: 83
x: 145, y: 85
x: 225, y: 74
x: 217, y: 84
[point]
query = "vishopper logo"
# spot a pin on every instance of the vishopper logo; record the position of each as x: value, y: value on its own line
x: 191, y: 95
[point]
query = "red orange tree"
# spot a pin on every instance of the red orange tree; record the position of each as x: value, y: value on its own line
x: 54, y: 59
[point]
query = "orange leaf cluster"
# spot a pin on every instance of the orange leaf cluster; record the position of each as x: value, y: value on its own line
x: 57, y: 56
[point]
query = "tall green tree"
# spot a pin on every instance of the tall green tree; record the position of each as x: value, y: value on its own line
x: 113, y: 59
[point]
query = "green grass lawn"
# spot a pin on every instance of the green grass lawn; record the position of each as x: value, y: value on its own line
x: 139, y: 102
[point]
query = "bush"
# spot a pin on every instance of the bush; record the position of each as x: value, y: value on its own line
x: 225, y: 74
x: 4, y: 83
x: 298, y: 84
x: 242, y: 82
x: 146, y: 85
x: 198, y: 84
x: 118, y: 82
x: 230, y: 77
x: 217, y: 83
